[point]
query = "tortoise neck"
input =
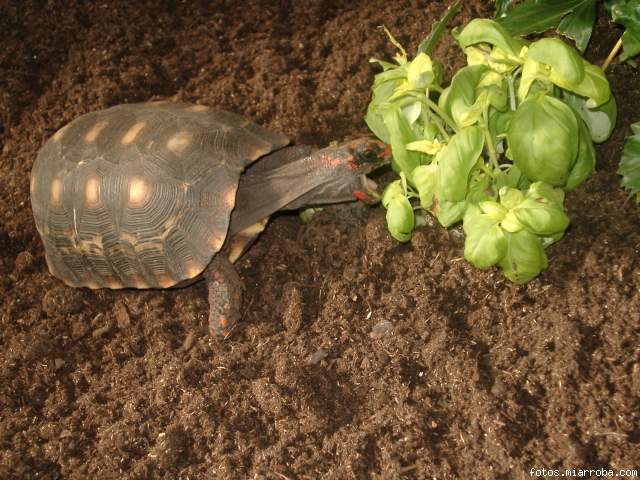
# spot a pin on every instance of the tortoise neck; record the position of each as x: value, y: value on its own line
x: 290, y: 179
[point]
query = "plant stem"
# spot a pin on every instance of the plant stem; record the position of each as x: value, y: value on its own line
x: 447, y: 119
x: 512, y: 93
x: 441, y: 128
x: 614, y: 51
x: 488, y: 140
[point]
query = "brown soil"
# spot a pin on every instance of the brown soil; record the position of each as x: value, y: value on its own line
x: 477, y: 378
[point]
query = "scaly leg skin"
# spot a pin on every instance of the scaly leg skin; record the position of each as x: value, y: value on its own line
x: 225, y: 295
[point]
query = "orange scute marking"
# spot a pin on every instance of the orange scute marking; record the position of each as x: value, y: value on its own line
x: 132, y: 133
x: 95, y: 131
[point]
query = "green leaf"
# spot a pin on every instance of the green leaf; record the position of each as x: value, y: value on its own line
x: 400, y: 133
x: 456, y: 161
x: 629, y: 167
x: 594, y: 86
x: 485, y: 243
x: 428, y: 45
x: 541, y: 216
x: 484, y: 30
x: 384, y: 85
x: 525, y: 258
x: 461, y: 94
x: 400, y: 218
x: 448, y: 213
x: 394, y: 189
x: 573, y: 18
x: 493, y: 210
x: 543, y: 139
x: 567, y: 66
x: 601, y: 120
x: 511, y: 197
x: 480, y: 189
x: 513, y: 178
x: 542, y: 189
x: 585, y: 160
x: 425, y: 180
x: 420, y: 72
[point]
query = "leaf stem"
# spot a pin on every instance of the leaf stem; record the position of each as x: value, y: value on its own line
x: 614, y: 51
x: 488, y: 140
x: 512, y: 93
x: 441, y: 128
x: 447, y: 119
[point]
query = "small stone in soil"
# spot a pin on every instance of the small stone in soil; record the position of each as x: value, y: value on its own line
x: 381, y: 329
x: 316, y: 357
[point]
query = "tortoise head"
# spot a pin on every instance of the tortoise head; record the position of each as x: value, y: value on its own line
x: 363, y: 156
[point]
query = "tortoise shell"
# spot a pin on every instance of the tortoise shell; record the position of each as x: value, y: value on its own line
x: 140, y: 195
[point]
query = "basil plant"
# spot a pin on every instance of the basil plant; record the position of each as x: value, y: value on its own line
x: 497, y: 147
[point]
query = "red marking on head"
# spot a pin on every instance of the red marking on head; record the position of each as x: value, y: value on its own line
x: 360, y: 195
x: 222, y: 321
x: 351, y: 162
x: 329, y: 161
x: 387, y: 152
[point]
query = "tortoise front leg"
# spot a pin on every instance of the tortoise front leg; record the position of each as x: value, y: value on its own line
x: 225, y: 295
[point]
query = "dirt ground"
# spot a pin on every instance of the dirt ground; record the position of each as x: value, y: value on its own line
x: 472, y: 378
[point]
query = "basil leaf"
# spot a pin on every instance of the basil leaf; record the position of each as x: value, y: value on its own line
x: 585, y: 160
x: 448, y: 213
x: 461, y: 94
x: 567, y: 66
x: 525, y: 258
x: 456, y: 161
x: 484, y: 30
x: 541, y: 216
x: 400, y: 133
x: 600, y: 121
x: 542, y: 139
x: 400, y: 218
x: 485, y: 242
x: 425, y: 180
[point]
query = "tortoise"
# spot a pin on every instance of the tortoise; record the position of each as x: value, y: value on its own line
x: 161, y: 194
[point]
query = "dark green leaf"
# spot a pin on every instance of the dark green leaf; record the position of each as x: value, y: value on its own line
x: 628, y: 14
x: 428, y: 45
x: 630, y: 46
x: 502, y: 7
x: 537, y: 16
x: 579, y: 24
x: 630, y: 163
